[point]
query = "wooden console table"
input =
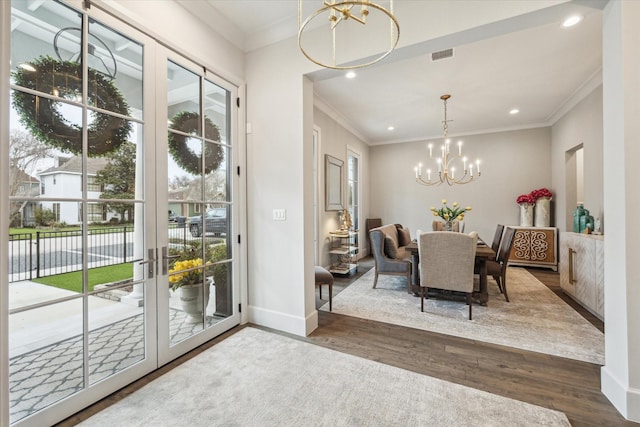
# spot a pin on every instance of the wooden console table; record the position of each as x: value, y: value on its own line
x: 535, y: 247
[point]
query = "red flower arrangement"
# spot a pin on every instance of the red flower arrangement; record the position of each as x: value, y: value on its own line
x: 533, y: 196
x: 525, y: 199
x: 542, y: 192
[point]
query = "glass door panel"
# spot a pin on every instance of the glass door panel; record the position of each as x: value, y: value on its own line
x: 200, y: 200
x: 80, y: 221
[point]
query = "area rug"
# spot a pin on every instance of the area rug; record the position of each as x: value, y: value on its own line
x: 258, y: 378
x: 536, y: 319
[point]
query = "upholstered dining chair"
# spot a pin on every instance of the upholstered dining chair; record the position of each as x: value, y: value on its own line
x: 385, y: 265
x: 497, y: 238
x: 446, y: 262
x: 498, y: 268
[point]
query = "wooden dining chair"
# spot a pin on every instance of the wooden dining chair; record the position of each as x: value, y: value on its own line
x: 498, y: 268
x: 497, y: 238
x: 446, y: 262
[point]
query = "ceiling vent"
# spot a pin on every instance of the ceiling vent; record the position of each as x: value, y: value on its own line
x: 442, y: 54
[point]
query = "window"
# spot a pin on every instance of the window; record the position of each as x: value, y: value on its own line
x: 56, y: 212
x: 93, y: 185
x: 353, y: 203
x: 96, y: 212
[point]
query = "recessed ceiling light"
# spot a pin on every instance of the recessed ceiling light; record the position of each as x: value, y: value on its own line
x: 571, y: 21
x: 27, y: 66
x: 390, y: 128
x: 350, y: 74
x: 514, y: 111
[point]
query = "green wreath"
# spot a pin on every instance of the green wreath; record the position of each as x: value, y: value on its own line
x: 189, y: 122
x: 41, y: 116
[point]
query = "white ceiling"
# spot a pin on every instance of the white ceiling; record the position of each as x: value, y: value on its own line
x: 542, y: 71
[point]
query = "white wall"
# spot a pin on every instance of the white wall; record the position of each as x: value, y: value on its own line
x: 512, y: 163
x: 334, y: 141
x: 582, y: 125
x: 621, y: 130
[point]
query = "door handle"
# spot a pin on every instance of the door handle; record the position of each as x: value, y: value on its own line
x: 165, y: 260
x: 150, y: 262
x: 572, y: 280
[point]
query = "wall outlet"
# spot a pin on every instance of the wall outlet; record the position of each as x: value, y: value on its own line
x: 279, y: 215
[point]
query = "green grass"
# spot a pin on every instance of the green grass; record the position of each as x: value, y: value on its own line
x: 14, y: 230
x: 73, y: 281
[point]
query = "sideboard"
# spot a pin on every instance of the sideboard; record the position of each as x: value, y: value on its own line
x: 582, y: 270
x: 535, y: 247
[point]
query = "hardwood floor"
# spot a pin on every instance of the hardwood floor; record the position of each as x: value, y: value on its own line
x: 570, y: 386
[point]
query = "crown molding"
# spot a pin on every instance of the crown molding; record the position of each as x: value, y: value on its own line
x: 326, y: 108
x: 578, y: 95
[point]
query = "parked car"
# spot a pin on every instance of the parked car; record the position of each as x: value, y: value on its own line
x: 173, y: 217
x: 215, y: 221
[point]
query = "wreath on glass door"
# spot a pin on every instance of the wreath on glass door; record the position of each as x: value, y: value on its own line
x: 63, y: 79
x: 189, y: 123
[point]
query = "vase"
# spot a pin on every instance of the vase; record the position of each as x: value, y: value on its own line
x: 526, y: 215
x: 448, y: 226
x: 193, y: 299
x: 543, y: 212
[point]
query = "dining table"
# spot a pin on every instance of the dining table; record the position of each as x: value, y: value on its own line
x: 483, y: 254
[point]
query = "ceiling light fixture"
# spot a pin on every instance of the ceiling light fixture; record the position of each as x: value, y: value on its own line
x: 571, y: 21
x: 390, y: 128
x: 350, y: 75
x: 341, y: 15
x: 514, y: 111
x: 446, y: 161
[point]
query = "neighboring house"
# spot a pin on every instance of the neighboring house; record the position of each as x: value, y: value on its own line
x: 65, y: 181
x: 26, y: 186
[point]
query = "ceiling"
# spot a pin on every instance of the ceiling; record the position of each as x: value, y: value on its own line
x: 542, y: 70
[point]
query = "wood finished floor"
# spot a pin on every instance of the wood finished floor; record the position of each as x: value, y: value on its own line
x: 570, y: 386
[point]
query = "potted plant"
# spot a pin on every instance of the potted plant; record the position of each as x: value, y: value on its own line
x: 450, y: 214
x: 188, y: 277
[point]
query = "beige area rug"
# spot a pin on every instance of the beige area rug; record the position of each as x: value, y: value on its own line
x: 258, y: 378
x: 536, y: 319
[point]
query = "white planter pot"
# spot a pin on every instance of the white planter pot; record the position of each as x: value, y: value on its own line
x: 526, y: 215
x: 191, y: 297
x: 543, y: 212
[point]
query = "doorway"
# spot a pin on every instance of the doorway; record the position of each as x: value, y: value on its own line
x: 109, y: 131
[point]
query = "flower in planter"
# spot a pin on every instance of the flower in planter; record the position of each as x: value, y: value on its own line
x: 450, y: 213
x: 526, y: 199
x: 189, y: 277
x: 542, y: 192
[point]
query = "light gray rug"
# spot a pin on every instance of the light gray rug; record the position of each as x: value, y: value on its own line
x: 536, y: 319
x: 257, y: 378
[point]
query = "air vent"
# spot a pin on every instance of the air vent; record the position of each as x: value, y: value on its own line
x: 443, y: 54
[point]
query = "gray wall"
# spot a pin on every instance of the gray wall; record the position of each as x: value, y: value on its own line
x: 513, y: 163
x: 582, y: 125
x: 335, y: 140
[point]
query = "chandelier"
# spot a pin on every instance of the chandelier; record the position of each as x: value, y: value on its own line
x: 448, y: 161
x: 339, y: 15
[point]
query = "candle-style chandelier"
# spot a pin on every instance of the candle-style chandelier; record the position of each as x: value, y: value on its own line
x: 448, y: 161
x: 339, y: 15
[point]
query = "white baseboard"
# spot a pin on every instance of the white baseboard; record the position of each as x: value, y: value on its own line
x: 284, y: 322
x: 625, y: 399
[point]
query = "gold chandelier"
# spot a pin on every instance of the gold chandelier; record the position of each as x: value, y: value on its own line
x: 339, y: 14
x: 447, y: 161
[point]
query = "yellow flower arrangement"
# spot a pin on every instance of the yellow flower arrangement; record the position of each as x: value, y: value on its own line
x: 189, y: 276
x: 450, y: 213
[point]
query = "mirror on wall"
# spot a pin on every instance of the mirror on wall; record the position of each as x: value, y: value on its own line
x: 333, y: 183
x: 574, y: 182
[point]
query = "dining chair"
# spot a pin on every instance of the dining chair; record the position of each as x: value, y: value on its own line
x: 498, y: 268
x: 497, y: 237
x: 446, y: 262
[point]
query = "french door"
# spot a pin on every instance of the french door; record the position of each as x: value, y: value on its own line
x: 122, y: 208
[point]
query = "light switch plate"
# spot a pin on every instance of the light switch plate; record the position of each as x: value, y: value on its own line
x: 279, y: 215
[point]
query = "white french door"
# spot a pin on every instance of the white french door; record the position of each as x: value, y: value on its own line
x: 122, y: 240
x: 198, y: 279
